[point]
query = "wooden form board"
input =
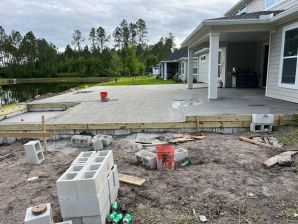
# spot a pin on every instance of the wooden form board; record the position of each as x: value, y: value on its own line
x: 131, y: 180
x: 26, y: 134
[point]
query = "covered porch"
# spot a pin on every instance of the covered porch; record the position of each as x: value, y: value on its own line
x: 237, y: 55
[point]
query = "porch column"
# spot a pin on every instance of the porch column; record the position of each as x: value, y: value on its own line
x: 165, y: 77
x: 190, y: 69
x: 213, y: 65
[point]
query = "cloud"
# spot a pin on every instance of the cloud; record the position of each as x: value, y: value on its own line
x: 55, y: 20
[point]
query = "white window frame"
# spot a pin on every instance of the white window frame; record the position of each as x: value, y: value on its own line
x: 280, y: 84
x: 242, y: 10
x: 275, y: 4
x: 203, y: 56
x: 195, y: 65
x: 182, y: 68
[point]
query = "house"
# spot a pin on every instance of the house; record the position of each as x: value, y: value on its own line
x: 155, y: 70
x: 254, y: 44
x: 176, y: 64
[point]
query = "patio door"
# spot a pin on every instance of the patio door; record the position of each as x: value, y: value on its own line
x: 265, y: 65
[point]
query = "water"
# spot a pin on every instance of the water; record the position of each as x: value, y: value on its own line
x: 21, y: 92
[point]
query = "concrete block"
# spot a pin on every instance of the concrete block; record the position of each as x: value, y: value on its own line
x: 83, y: 158
x: 262, y: 118
x: 260, y: 127
x: 99, y: 219
x: 107, y: 140
x: 114, y: 184
x: 81, y: 140
x: 45, y: 218
x: 81, y: 207
x: 97, y: 144
x: 34, y: 154
x: 91, y: 180
x: 105, y: 157
x: 10, y: 140
x: 180, y: 154
x: 121, y: 132
x: 147, y: 158
x: 66, y: 184
x: 74, y: 220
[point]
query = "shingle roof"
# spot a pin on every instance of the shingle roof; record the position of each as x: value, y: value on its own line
x: 253, y: 15
x: 182, y: 52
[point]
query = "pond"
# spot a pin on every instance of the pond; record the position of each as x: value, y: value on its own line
x: 21, y: 92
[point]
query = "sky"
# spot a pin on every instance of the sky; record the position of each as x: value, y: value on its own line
x: 55, y: 20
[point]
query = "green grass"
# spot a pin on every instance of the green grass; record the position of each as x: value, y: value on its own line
x: 139, y: 80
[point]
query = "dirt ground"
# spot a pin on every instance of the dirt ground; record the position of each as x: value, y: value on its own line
x: 226, y: 182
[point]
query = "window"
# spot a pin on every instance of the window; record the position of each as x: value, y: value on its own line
x: 289, y: 64
x: 182, y: 68
x: 272, y: 3
x: 219, y: 64
x: 242, y: 10
x: 195, y: 67
x: 203, y: 58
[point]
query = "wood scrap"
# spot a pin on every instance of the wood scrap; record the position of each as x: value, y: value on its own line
x: 284, y: 159
x: 241, y: 138
x: 131, y: 180
x: 181, y: 140
x: 200, y: 137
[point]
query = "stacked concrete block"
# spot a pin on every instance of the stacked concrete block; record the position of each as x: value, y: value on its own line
x: 34, y: 154
x: 147, y: 159
x: 180, y: 154
x: 97, y: 144
x: 100, y: 141
x: 113, y: 180
x: 44, y: 218
x: 84, y: 189
x: 262, y: 122
x: 81, y: 140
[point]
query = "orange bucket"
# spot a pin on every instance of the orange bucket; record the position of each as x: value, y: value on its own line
x: 165, y: 157
x: 104, y: 96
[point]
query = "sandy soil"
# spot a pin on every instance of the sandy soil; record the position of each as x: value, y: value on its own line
x: 226, y: 182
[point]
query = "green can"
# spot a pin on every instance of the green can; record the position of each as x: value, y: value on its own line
x: 186, y: 163
x: 112, y: 216
x: 127, y: 219
x: 115, y: 206
x: 118, y: 218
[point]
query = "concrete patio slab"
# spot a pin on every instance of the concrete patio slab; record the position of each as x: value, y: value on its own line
x: 160, y: 103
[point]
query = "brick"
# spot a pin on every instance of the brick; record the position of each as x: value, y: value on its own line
x: 33, y: 151
x: 81, y: 140
x: 45, y: 218
x: 97, y: 144
x: 66, y: 184
x: 99, y: 219
x: 180, y: 154
x: 260, y: 127
x: 262, y: 118
x: 74, y: 220
x: 81, y: 207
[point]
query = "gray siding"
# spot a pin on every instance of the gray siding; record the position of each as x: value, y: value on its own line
x: 259, y: 5
x: 272, y: 89
x: 203, y: 69
x: 256, y: 5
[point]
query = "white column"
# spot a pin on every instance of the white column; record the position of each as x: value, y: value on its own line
x: 161, y: 70
x: 213, y: 65
x: 165, y: 77
x: 190, y: 69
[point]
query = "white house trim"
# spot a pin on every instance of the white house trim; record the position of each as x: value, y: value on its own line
x: 280, y: 84
x: 213, y: 65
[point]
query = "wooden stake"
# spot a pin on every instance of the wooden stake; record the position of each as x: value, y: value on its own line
x: 45, y: 131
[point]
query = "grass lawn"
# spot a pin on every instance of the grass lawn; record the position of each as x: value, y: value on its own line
x: 139, y: 80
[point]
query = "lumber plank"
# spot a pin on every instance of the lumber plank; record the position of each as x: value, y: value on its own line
x: 222, y: 118
x: 131, y: 180
x: 26, y: 134
x: 241, y: 138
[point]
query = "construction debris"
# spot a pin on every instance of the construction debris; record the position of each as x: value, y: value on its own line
x: 34, y: 154
x: 284, y: 159
x: 131, y: 180
x: 186, y: 138
x: 255, y: 142
x: 81, y: 140
x: 203, y: 218
x: 32, y: 179
x: 146, y: 158
x: 39, y: 214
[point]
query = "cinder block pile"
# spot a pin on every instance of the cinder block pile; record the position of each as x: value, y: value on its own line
x: 262, y: 122
x: 34, y: 154
x: 87, y: 189
x: 98, y: 142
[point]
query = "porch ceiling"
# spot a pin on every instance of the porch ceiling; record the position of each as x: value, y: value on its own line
x: 243, y: 36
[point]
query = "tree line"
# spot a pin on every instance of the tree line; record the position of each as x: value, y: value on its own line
x: 125, y: 52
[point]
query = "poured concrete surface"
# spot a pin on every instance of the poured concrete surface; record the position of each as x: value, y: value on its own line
x: 31, y: 117
x: 161, y: 103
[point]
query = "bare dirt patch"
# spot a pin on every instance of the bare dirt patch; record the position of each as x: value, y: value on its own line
x: 226, y: 182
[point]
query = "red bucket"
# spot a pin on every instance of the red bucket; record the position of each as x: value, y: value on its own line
x: 165, y: 157
x: 104, y: 96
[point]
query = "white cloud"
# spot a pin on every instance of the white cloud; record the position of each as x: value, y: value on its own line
x: 55, y: 20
